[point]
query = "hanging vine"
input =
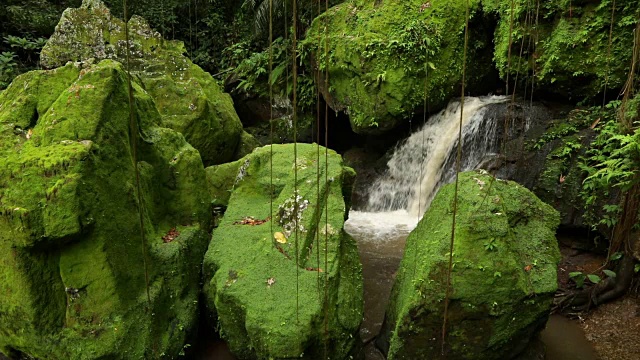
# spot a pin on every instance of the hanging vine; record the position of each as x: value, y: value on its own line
x: 326, y: 181
x: 458, y: 168
x: 133, y: 139
x: 607, y: 74
x: 295, y: 147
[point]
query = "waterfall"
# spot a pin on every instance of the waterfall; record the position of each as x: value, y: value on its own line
x: 426, y: 160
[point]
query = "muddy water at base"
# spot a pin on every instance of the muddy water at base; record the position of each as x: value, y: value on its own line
x: 381, y: 238
x: 565, y: 340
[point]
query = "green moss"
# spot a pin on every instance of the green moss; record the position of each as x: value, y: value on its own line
x: 565, y: 44
x: 221, y: 180
x: 71, y: 265
x: 187, y: 97
x: 502, y: 230
x: 247, y: 144
x: 285, y: 319
x: 379, y: 53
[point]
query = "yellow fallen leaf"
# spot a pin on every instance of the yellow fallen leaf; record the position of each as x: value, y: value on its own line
x: 280, y: 237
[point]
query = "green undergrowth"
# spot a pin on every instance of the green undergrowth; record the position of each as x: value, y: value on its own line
x: 266, y: 282
x: 612, y: 163
x: 72, y: 271
x: 503, y: 273
x: 565, y: 44
x: 592, y: 158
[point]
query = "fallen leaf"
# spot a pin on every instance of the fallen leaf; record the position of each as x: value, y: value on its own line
x: 280, y: 237
x: 528, y: 268
x: 425, y: 6
x: 270, y: 281
x: 562, y: 178
x: 171, y: 235
x: 29, y: 134
x: 250, y: 220
x: 595, y: 123
x: 314, y: 269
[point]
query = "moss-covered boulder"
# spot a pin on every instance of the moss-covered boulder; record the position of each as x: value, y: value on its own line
x: 270, y: 286
x: 565, y: 44
x: 188, y: 98
x: 379, y: 53
x: 246, y: 145
x: 220, y: 181
x: 77, y: 278
x: 503, y: 278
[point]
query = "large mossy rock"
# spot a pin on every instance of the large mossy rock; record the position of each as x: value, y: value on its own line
x: 188, y: 98
x: 565, y: 44
x: 72, y: 264
x: 503, y: 279
x: 379, y: 53
x: 267, y: 293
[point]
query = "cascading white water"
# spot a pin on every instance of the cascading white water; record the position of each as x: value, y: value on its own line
x: 426, y: 159
x: 421, y: 164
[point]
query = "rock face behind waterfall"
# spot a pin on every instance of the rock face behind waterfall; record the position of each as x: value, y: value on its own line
x: 72, y: 271
x: 503, y: 278
x: 266, y: 307
x: 187, y: 97
x: 379, y: 57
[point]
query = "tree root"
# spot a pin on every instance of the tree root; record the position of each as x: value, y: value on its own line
x: 611, y: 288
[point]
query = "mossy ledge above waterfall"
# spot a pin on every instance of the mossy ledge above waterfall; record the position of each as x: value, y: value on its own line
x: 269, y: 302
x: 565, y: 44
x: 503, y: 275
x: 380, y: 53
x: 72, y: 271
x: 188, y: 98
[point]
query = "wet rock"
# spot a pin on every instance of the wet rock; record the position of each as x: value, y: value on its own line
x: 246, y: 145
x: 503, y: 276
x: 188, y: 98
x: 72, y: 268
x: 266, y: 289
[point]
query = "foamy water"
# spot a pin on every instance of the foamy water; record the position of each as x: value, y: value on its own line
x: 380, y: 226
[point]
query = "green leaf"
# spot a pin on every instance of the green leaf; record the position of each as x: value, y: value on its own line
x: 609, y: 273
x: 575, y: 274
x: 277, y: 72
x: 594, y: 278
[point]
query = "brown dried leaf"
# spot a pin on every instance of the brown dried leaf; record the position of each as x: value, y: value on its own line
x: 250, y: 220
x: 171, y: 235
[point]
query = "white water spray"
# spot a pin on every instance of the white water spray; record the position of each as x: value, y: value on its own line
x: 426, y: 160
